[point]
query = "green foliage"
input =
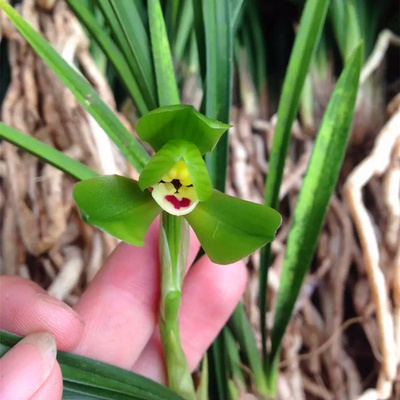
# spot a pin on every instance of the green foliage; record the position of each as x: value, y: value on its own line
x: 312, y: 21
x: 165, y: 75
x: 130, y: 77
x: 218, y: 37
x: 319, y: 183
x: 47, y: 153
x: 83, y: 92
x: 126, y: 26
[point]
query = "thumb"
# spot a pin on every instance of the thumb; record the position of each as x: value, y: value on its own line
x: 26, y: 366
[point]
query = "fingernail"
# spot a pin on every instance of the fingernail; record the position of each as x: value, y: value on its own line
x: 46, y: 344
x: 52, y: 300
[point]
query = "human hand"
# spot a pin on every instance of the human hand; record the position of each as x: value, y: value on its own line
x: 114, y: 321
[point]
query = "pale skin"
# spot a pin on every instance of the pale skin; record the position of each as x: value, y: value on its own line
x: 114, y: 321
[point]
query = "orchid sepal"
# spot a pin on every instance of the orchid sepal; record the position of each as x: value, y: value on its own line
x: 183, y: 122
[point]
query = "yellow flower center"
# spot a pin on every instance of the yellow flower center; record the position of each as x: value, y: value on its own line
x: 175, y: 192
x: 180, y: 172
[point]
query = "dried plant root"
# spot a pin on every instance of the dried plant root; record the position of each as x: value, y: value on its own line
x: 375, y: 165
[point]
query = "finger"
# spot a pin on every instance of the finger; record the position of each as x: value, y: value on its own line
x: 26, y: 308
x: 25, y: 367
x: 120, y: 305
x: 210, y: 294
x: 52, y: 388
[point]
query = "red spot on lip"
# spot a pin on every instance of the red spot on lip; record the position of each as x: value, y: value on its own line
x: 178, y: 204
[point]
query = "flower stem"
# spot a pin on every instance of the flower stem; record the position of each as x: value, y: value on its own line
x: 174, y: 243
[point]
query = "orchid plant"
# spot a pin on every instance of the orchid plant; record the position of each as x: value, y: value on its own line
x: 176, y: 184
x: 176, y: 181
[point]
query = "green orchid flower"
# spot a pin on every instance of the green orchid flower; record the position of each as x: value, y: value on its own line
x: 176, y: 181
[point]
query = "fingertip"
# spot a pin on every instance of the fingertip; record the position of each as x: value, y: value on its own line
x: 28, y: 308
x: 52, y: 388
x: 30, y: 361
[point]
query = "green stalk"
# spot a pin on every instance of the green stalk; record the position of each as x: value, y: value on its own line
x: 174, y: 241
x: 174, y: 231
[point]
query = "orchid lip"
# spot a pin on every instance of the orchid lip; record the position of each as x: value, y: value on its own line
x: 172, y: 200
x: 175, y: 193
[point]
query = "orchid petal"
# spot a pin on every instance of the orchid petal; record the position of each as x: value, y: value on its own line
x: 116, y: 205
x: 164, y: 160
x: 230, y: 229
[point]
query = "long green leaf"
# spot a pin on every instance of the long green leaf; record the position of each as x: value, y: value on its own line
x: 184, y: 29
x: 258, y: 45
x: 219, y: 368
x: 345, y: 16
x: 198, y: 25
x: 319, y: 183
x: 311, y: 24
x: 238, y: 7
x: 113, y: 54
x: 165, y: 75
x: 218, y: 82
x: 83, y: 92
x: 127, y: 27
x: 173, y: 15
x: 84, y: 378
x: 242, y: 332
x: 47, y: 153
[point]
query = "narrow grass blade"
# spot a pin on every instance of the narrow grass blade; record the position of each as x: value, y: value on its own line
x: 198, y: 25
x: 318, y: 185
x: 242, y: 332
x: 219, y: 388
x: 84, y: 378
x: 83, y: 92
x: 345, y: 18
x: 97, y: 53
x: 234, y: 362
x: 47, y: 153
x: 218, y: 82
x: 127, y: 28
x: 311, y: 24
x: 237, y: 10
x: 113, y: 53
x: 165, y: 76
x: 184, y: 29
x: 172, y: 12
x: 256, y: 35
